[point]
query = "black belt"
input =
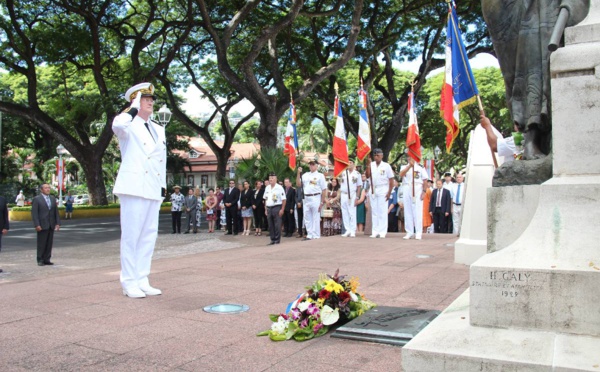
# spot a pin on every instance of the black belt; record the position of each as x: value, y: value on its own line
x: 273, y: 206
x: 457, y: 204
x: 312, y: 194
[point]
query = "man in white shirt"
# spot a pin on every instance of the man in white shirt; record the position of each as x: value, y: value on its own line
x: 458, y: 197
x: 382, y: 178
x: 141, y: 187
x: 350, y: 185
x: 505, y: 147
x: 314, y: 187
x: 414, y: 189
x: 275, y: 205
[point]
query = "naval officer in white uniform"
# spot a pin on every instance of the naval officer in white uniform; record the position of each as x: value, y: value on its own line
x: 314, y: 186
x: 382, y: 176
x: 350, y: 185
x: 413, y: 197
x: 140, y: 185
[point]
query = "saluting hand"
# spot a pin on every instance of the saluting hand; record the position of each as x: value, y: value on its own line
x: 136, y: 101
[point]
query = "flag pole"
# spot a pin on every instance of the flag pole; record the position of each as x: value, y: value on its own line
x: 367, y: 163
x: 336, y: 86
x: 295, y: 128
x: 482, y: 112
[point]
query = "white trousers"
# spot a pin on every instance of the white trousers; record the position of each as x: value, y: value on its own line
x: 349, y: 212
x: 379, y: 214
x: 456, y: 216
x: 139, y: 229
x: 413, y: 212
x: 312, y: 216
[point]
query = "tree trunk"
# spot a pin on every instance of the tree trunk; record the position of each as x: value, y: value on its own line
x: 267, y: 130
x: 222, y: 158
x: 95, y: 180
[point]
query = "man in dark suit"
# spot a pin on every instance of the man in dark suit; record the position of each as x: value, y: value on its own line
x: 230, y: 199
x: 440, y: 207
x: 3, y: 220
x: 190, y: 204
x: 300, y: 211
x: 44, y: 214
x: 289, y: 222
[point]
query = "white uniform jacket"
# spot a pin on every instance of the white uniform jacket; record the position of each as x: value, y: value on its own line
x: 143, y: 157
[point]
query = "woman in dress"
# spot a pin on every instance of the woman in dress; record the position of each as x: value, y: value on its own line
x: 258, y: 207
x: 361, y: 211
x: 427, y: 219
x: 199, y: 207
x: 211, y: 210
x: 333, y: 226
x: 246, y: 204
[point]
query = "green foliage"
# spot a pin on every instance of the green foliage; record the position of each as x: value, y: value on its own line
x: 261, y: 164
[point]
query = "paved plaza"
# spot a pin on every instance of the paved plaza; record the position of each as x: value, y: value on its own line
x: 74, y: 317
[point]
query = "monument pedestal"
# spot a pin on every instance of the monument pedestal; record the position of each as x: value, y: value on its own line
x: 533, y: 305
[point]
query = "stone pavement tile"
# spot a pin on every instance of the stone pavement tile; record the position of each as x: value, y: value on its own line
x: 123, y: 341
x: 173, y: 352
x: 338, y: 352
x: 18, y: 313
x: 127, y: 318
x: 16, y: 348
x: 84, y: 280
x: 299, y: 365
x: 124, y: 363
x: 251, y: 354
x: 168, y: 327
x: 391, y: 361
x: 64, y: 358
x: 58, y: 305
x: 92, y: 311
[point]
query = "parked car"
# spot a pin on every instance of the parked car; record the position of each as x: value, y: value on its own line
x: 81, y: 199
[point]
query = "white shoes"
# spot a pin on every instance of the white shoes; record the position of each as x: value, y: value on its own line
x: 375, y: 236
x: 346, y: 234
x: 382, y: 236
x: 151, y: 291
x: 418, y: 237
x: 353, y: 235
x: 408, y: 236
x: 134, y: 293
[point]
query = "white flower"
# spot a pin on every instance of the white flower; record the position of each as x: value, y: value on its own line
x: 302, y: 306
x: 280, y: 326
x: 329, y: 316
x: 353, y: 297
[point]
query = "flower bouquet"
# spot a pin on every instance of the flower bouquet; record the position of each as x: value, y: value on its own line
x: 329, y: 301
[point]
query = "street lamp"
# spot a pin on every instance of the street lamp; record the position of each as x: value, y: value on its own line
x: 164, y: 115
x: 437, y: 152
x: 60, y: 150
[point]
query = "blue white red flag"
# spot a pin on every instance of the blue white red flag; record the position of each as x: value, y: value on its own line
x: 363, y: 145
x: 340, y: 144
x: 290, y: 147
x: 413, y: 138
x: 459, y: 87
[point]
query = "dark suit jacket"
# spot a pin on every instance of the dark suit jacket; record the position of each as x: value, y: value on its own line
x: 232, y: 197
x: 258, y: 200
x: 41, y: 215
x: 246, y: 198
x: 190, y: 203
x: 299, y: 195
x: 290, y: 197
x: 445, y: 202
x: 3, y: 215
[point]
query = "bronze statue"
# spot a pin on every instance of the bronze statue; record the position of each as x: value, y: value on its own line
x: 521, y: 31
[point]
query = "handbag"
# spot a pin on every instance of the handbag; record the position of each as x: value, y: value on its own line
x: 326, y: 213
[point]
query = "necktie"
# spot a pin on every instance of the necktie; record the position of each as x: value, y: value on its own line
x: 458, y: 194
x: 148, y: 127
x: 439, y: 198
x: 47, y: 201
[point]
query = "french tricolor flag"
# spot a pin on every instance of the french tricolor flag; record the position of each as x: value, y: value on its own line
x: 363, y: 143
x: 340, y: 145
x: 459, y: 87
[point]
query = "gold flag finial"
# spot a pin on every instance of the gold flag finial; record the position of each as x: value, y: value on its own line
x: 412, y: 86
x: 336, y: 87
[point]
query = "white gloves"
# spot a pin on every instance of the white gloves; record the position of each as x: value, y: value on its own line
x: 136, y: 101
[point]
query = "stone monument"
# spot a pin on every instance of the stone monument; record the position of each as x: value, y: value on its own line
x: 533, y: 305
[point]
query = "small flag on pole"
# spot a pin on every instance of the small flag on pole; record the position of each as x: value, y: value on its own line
x: 60, y: 173
x: 413, y: 138
x: 291, y: 138
x: 363, y: 145
x: 340, y: 145
x: 459, y: 87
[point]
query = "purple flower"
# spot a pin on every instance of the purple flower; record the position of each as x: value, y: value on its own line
x: 296, y: 313
x: 312, y: 309
x: 317, y: 327
x: 304, y: 323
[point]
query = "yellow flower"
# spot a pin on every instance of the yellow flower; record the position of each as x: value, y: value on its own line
x: 320, y: 302
x: 332, y: 286
x: 354, y: 284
